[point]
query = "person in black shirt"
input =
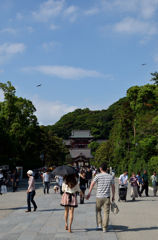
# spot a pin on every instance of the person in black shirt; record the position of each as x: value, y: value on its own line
x: 83, y: 182
x: 14, y: 178
x: 88, y: 177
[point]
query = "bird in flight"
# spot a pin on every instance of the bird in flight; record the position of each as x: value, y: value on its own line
x: 39, y: 85
x: 143, y: 64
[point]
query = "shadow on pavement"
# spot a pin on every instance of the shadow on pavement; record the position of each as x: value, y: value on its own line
x: 120, y: 228
x: 52, y: 210
x: 13, y: 208
x: 90, y: 203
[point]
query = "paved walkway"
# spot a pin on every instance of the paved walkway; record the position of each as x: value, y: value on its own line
x: 136, y: 220
x: 48, y: 221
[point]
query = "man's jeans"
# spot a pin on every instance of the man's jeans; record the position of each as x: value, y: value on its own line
x: 46, y: 185
x: 105, y: 202
x: 30, y: 197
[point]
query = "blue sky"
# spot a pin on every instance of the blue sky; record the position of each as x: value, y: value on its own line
x: 84, y: 53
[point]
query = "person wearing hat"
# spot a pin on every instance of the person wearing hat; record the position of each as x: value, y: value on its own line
x: 144, y: 177
x: 31, y: 191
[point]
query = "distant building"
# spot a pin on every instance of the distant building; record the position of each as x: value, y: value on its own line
x: 77, y: 144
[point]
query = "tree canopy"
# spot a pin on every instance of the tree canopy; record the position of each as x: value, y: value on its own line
x: 22, y: 140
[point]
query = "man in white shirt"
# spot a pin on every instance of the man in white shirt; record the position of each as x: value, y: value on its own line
x: 46, y: 181
x: 60, y: 182
x: 123, y: 178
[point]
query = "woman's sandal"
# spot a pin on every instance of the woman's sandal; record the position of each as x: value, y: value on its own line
x: 66, y: 227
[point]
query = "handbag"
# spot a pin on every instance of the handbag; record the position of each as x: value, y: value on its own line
x: 114, y: 208
x: 3, y: 189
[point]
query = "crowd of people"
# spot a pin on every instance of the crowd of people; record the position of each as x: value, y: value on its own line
x: 70, y: 186
x: 139, y: 183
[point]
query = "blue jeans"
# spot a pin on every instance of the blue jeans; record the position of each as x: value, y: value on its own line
x: 46, y: 185
x: 30, y: 197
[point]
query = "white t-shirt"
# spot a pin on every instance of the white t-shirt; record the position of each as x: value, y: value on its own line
x: 123, y: 178
x: 46, y: 177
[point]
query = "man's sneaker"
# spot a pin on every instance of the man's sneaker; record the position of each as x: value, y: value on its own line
x: 99, y: 227
x: 105, y: 230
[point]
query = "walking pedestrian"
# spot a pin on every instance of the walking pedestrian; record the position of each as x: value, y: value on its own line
x: 140, y: 182
x: 60, y: 182
x: 69, y: 199
x: 89, y: 177
x: 14, y: 178
x: 46, y: 181
x: 154, y: 180
x: 31, y: 192
x: 144, y: 177
x: 83, y: 182
x: 134, y: 186
x: 124, y: 178
x: 104, y: 181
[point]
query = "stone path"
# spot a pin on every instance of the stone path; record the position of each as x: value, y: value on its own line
x: 48, y: 221
x: 136, y: 220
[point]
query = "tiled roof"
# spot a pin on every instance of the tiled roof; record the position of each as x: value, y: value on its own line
x: 84, y: 152
x: 81, y: 134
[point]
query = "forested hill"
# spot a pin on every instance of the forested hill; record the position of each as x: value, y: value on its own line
x: 99, y: 122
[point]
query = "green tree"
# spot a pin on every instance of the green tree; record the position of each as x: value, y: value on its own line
x: 155, y: 77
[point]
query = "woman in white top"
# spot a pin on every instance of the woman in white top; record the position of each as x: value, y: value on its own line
x: 69, y: 198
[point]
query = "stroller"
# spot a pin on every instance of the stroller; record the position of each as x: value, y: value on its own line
x: 122, y: 191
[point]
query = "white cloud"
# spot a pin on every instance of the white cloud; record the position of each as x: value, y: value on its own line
x: 19, y: 16
x: 49, y: 9
x: 92, y: 11
x: 52, y: 9
x: 54, y: 27
x: 71, y: 13
x: 29, y: 29
x: 122, y: 5
x: 65, y: 72
x: 132, y: 26
x: 8, y: 50
x: 9, y: 30
x: 49, y: 112
x: 148, y: 8
x: 144, y: 8
x: 50, y: 45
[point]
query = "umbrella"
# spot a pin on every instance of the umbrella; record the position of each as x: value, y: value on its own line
x: 64, y: 170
